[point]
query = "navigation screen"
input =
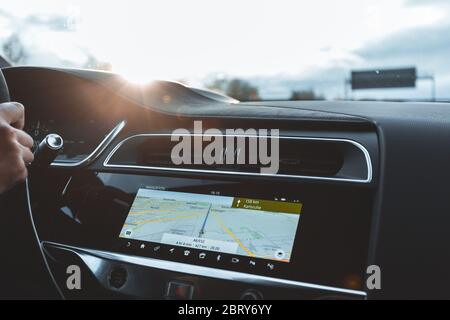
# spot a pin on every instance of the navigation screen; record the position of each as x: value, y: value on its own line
x: 255, y: 228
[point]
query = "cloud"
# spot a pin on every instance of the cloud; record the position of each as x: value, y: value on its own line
x: 433, y: 3
x: 51, y: 22
x: 426, y: 48
x: 32, y: 30
x: 5, y: 14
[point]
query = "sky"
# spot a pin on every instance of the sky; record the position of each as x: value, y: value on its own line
x: 277, y: 45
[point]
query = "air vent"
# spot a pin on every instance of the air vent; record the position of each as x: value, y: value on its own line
x: 334, y: 159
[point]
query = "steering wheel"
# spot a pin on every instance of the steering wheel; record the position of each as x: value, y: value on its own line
x: 4, y: 92
x: 24, y: 269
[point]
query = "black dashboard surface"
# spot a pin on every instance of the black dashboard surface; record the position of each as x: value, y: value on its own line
x: 409, y: 236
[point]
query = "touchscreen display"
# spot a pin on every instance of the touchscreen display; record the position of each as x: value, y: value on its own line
x: 249, y: 227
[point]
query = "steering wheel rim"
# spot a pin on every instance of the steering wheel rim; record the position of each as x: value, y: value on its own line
x: 23, y: 264
x: 4, y: 91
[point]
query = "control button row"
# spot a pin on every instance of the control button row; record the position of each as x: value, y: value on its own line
x: 203, y: 255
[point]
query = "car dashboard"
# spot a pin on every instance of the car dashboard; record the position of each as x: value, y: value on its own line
x: 359, y: 184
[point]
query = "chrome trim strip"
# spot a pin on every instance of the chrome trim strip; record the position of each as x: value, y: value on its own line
x: 203, y: 271
x: 39, y: 243
x: 356, y: 144
x: 97, y: 151
x: 63, y: 193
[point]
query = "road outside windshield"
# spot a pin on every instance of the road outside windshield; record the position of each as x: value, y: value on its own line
x: 250, y: 50
x: 249, y: 227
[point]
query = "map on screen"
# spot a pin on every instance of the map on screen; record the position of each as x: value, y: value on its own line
x: 250, y: 227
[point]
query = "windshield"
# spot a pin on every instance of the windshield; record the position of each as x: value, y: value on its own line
x: 251, y: 50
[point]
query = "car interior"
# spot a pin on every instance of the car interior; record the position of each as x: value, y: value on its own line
x: 358, y: 208
x: 371, y: 181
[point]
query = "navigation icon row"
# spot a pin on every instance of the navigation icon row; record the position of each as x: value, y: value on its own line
x: 210, y: 257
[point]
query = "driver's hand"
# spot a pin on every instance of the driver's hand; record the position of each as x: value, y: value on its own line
x: 15, y: 145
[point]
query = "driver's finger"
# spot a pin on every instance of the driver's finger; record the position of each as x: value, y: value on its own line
x: 13, y: 113
x: 24, y: 139
x: 27, y: 155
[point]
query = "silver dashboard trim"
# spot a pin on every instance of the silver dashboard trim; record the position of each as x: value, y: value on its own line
x: 97, y: 151
x: 41, y: 250
x: 202, y: 271
x: 356, y: 144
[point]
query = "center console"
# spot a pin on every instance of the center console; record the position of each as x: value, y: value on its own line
x: 141, y: 226
x: 274, y: 234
